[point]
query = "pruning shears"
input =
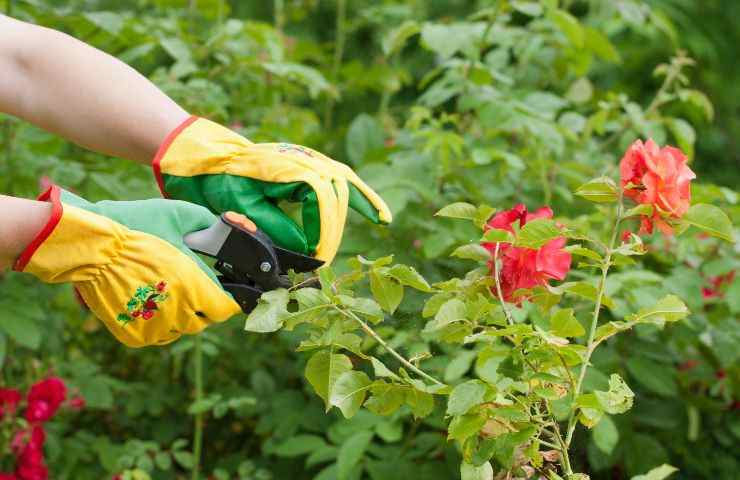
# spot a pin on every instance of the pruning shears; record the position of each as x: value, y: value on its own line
x: 247, y: 259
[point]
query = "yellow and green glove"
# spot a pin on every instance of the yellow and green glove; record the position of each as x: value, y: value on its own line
x: 130, y: 264
x: 205, y: 163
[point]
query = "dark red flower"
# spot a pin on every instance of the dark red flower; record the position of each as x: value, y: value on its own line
x: 44, y: 399
x: 9, y: 398
x: 716, y: 284
x: 525, y: 268
x: 29, y: 448
x: 150, y: 305
x: 161, y: 286
x: 147, y: 314
x: 8, y: 476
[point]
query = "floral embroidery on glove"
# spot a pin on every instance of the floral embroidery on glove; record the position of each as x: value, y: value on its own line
x: 144, y: 303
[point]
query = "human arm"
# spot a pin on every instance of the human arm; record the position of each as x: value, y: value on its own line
x: 20, y: 222
x: 67, y: 87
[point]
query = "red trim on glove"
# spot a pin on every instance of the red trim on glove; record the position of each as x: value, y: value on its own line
x: 50, y: 195
x: 163, y: 149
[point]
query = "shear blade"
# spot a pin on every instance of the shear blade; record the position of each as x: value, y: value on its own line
x: 290, y: 260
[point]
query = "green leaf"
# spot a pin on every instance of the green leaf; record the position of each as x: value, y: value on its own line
x: 496, y: 235
x: 564, y: 324
x: 20, y: 328
x: 410, y: 277
x: 386, y: 398
x: 299, y: 445
x: 107, y: 21
x: 387, y: 291
x: 451, y: 311
x: 469, y: 471
x: 184, y: 458
x: 270, y: 313
x: 605, y: 435
x: 658, y: 473
x: 363, y: 306
x: 465, y: 396
x: 395, y: 40
x: 599, y: 190
x: 349, y: 391
x: 532, y: 9
x: 421, y: 403
x: 322, y: 371
x: 351, y: 452
x: 464, y: 426
x: 569, y: 25
x: 619, y: 397
x: 308, y: 77
x: 668, y: 309
x: 364, y: 136
x: 655, y: 377
x: 458, y: 210
x: 684, y: 134
x: 472, y: 251
x: 699, y: 100
x: 381, y: 370
x: 710, y: 219
x: 600, y: 44
x: 538, y: 232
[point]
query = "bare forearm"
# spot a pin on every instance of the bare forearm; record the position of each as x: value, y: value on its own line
x: 87, y: 96
x: 20, y: 221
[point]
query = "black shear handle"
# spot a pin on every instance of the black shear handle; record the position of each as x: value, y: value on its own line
x: 245, y: 295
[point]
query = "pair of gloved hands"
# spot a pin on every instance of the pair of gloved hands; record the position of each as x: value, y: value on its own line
x: 128, y: 260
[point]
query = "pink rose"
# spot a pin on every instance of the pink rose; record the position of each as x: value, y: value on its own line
x: 659, y: 177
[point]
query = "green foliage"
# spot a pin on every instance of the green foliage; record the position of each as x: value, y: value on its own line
x: 442, y: 108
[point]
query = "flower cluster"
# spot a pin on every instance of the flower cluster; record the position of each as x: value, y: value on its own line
x: 43, y: 401
x: 659, y: 177
x: 525, y: 268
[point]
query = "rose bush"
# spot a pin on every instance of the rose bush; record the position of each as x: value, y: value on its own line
x: 443, y: 108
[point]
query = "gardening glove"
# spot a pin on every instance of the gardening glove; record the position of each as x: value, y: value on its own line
x: 205, y: 163
x: 129, y: 263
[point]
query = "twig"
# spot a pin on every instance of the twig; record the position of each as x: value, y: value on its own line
x: 594, y: 321
x: 198, y: 433
x: 385, y: 345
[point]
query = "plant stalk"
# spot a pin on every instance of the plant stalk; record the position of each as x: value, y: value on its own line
x: 594, y: 322
x: 198, y: 432
x: 507, y: 314
x: 385, y: 345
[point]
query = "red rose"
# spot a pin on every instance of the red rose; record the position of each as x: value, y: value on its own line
x: 77, y: 403
x: 8, y: 476
x: 44, y: 399
x: 9, y: 398
x: 150, y: 305
x: 147, y: 314
x: 161, y: 286
x: 136, y: 313
x: 659, y: 177
x: 526, y: 267
x: 29, y: 446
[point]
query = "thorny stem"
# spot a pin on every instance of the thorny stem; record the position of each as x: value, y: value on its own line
x: 509, y: 318
x: 590, y: 345
x: 385, y: 345
x: 198, y: 433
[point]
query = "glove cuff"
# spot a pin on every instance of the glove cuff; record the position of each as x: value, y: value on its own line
x: 52, y: 195
x: 164, y: 147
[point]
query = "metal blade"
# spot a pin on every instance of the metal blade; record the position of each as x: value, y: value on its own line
x: 290, y: 260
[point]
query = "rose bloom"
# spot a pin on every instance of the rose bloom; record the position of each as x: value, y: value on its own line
x: 526, y: 267
x: 8, y: 476
x: 29, y: 448
x: 9, y: 398
x: 659, y: 177
x: 44, y: 399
